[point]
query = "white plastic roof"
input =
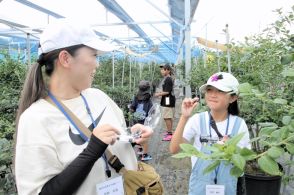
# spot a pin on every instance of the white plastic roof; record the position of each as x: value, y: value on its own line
x: 141, y: 24
x: 145, y: 24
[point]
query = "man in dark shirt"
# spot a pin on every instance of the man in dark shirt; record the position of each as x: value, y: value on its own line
x: 167, y: 99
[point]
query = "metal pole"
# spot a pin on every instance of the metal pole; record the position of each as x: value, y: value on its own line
x: 218, y: 57
x: 204, y: 56
x: 18, y: 51
x: 136, y: 73
x: 130, y: 74
x: 113, y: 69
x: 187, y: 47
x: 28, y: 49
x: 228, y: 48
x: 169, y: 17
x: 123, y: 70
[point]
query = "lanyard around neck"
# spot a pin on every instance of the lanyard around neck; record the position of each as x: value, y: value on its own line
x: 216, y: 130
x: 220, y: 136
x: 84, y: 137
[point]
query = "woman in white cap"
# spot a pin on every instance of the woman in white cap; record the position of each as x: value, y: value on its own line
x: 217, y: 125
x: 53, y: 156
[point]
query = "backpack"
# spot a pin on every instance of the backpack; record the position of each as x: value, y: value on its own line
x: 140, y: 113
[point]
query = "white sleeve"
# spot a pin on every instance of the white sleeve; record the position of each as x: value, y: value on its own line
x: 245, y: 141
x: 36, y: 159
x: 191, y: 127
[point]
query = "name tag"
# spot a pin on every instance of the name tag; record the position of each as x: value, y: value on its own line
x: 167, y: 101
x: 215, y: 190
x: 111, y: 187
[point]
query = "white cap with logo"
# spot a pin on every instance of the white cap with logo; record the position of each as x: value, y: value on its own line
x: 223, y: 81
x: 65, y: 33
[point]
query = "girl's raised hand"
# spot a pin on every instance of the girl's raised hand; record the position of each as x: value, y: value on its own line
x: 188, y: 105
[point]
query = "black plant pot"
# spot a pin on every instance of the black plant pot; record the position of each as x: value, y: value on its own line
x: 262, y: 185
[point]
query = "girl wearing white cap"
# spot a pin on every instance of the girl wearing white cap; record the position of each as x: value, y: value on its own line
x: 217, y: 125
x: 52, y: 155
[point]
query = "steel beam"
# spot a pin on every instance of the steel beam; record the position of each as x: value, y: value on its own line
x: 39, y: 8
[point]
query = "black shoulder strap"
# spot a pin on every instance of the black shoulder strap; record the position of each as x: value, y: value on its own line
x: 213, y: 125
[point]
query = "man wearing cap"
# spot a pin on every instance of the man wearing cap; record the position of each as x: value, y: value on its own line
x: 167, y: 99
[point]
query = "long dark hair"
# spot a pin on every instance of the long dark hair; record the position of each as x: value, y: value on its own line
x: 34, y: 86
x: 233, y: 108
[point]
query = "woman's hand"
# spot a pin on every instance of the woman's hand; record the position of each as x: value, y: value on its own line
x: 106, y: 133
x: 146, y: 132
x: 188, y: 105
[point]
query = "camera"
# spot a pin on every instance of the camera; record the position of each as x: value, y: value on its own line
x: 208, y: 139
x: 129, y: 137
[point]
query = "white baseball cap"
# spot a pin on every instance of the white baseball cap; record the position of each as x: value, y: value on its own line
x: 223, y: 81
x: 65, y: 33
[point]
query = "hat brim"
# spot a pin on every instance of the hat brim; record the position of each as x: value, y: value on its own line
x: 202, y: 89
x: 101, y: 46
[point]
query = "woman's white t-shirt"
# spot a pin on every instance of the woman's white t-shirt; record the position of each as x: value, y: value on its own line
x: 47, y: 142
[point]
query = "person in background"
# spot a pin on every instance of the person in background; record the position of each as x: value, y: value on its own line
x: 140, y: 107
x: 52, y: 156
x: 168, y: 99
x: 218, y: 124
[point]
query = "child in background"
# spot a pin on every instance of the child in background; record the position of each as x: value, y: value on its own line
x: 140, y: 107
x: 220, y: 123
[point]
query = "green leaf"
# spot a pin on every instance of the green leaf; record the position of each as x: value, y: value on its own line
x: 268, y: 124
x: 266, y: 130
x: 245, y: 94
x: 245, y: 88
x: 286, y: 59
x: 203, y: 156
x: 235, y: 171
x: 181, y: 155
x: 286, y: 120
x: 280, y: 101
x: 235, y: 139
x: 211, y: 167
x: 219, y: 146
x: 238, y: 161
x: 290, y: 148
x: 276, y: 134
x: 212, y: 148
x: 217, y: 155
x: 188, y: 148
x: 268, y: 165
x: 289, y: 72
x: 275, y: 152
x: 284, y: 132
x: 247, y: 154
x: 230, y: 149
x: 259, y: 95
